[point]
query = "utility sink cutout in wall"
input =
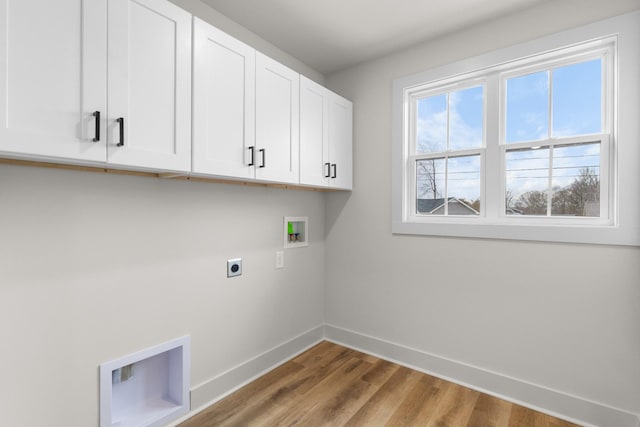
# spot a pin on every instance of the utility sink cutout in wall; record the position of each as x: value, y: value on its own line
x: 147, y: 388
x: 296, y: 231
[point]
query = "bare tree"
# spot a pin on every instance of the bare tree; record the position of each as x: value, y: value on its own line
x: 509, y: 199
x: 427, y: 179
x: 533, y: 203
x: 575, y: 198
x: 580, y: 198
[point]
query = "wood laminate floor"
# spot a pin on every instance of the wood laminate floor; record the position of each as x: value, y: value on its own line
x: 330, y: 385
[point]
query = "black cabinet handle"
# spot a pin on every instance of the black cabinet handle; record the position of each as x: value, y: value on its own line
x: 252, y: 156
x: 96, y: 114
x: 335, y: 171
x: 264, y: 157
x: 120, y: 121
x: 328, y: 174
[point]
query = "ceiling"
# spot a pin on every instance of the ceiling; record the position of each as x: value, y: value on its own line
x: 330, y: 35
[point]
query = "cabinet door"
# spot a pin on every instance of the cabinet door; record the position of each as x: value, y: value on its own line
x: 52, y: 78
x: 223, y: 103
x: 315, y: 166
x: 149, y: 121
x: 277, y: 115
x: 341, y: 142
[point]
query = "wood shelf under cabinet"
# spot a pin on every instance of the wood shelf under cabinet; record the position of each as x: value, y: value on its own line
x: 163, y: 175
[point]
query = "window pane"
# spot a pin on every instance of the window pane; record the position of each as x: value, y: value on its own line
x: 430, y: 186
x: 465, y: 118
x: 576, y: 180
x: 463, y: 185
x: 431, y: 132
x: 528, y: 107
x: 577, y: 99
x: 527, y: 181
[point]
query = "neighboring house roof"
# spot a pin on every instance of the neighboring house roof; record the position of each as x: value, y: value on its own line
x: 436, y: 207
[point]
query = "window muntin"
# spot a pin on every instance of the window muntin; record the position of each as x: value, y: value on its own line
x: 560, y: 180
x: 449, y: 186
x: 450, y: 121
x: 554, y: 115
x: 536, y: 146
x: 448, y: 148
x: 558, y: 102
x: 527, y: 172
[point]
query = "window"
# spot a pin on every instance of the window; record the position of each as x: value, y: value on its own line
x: 525, y: 145
x: 552, y: 142
x: 448, y: 144
x: 555, y: 136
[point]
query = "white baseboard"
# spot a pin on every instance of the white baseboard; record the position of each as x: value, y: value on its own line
x: 552, y: 402
x: 207, y: 393
x: 558, y: 404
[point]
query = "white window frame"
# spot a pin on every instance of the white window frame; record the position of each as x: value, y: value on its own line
x: 413, y: 157
x: 619, y: 223
x: 603, y: 49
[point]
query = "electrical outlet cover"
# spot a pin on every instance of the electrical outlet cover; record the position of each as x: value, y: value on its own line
x: 234, y: 267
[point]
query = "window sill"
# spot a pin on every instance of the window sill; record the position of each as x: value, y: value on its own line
x: 603, y: 235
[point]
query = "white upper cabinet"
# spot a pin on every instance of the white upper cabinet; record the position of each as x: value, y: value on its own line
x: 110, y: 82
x: 315, y: 168
x: 340, y: 142
x: 53, y: 78
x: 277, y: 121
x: 325, y: 137
x: 55, y: 71
x: 223, y: 103
x: 149, y: 89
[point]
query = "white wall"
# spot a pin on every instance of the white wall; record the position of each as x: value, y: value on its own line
x: 561, y: 316
x: 98, y: 266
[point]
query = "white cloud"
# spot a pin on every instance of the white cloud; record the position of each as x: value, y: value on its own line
x: 432, y: 133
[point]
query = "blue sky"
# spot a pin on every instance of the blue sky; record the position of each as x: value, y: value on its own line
x: 576, y: 103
